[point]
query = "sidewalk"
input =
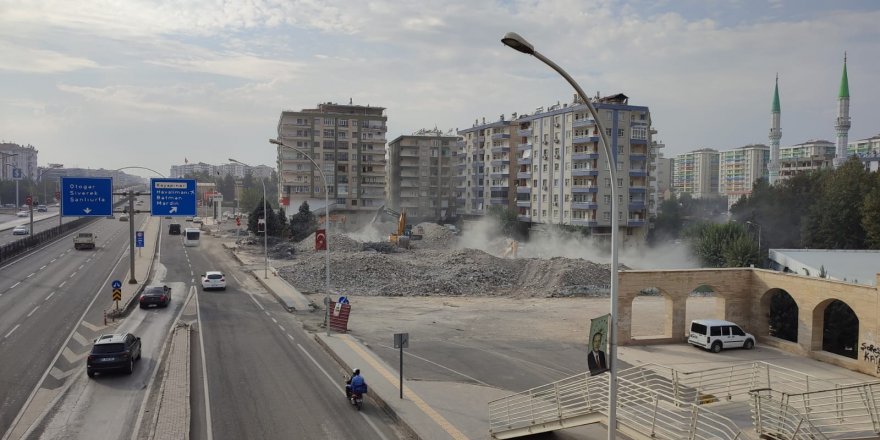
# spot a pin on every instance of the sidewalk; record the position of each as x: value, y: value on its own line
x: 289, y: 297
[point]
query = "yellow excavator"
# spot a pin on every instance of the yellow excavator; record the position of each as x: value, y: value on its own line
x: 403, y: 232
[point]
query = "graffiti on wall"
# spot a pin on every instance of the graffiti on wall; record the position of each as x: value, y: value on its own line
x: 871, y: 354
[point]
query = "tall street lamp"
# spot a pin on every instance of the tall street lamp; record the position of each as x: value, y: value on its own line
x: 265, y: 221
x: 326, y: 227
x: 40, y: 178
x: 515, y: 41
x: 759, y: 239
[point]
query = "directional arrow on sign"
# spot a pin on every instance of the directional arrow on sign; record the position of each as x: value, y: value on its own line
x: 172, y: 210
x: 87, y: 210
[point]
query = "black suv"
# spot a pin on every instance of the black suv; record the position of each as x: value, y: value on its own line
x: 114, y: 352
x: 174, y: 229
x: 155, y: 296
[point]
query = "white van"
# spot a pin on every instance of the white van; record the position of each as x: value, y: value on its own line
x: 715, y: 335
x: 191, y: 236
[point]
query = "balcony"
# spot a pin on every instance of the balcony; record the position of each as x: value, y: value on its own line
x: 524, y: 161
x: 501, y: 148
x: 584, y: 205
x: 638, y: 142
x: 579, y: 172
x: 500, y: 162
x: 409, y: 152
x: 525, y: 132
x: 638, y: 172
x: 503, y: 187
x: 580, y: 189
x: 480, y: 151
x: 372, y: 183
x: 584, y: 156
x: 459, y: 177
x: 637, y: 189
x: 499, y: 174
x: 635, y: 222
x: 524, y: 147
x: 523, y: 203
x: 523, y: 190
x: 523, y: 175
x: 480, y: 139
x: 636, y: 205
x: 584, y: 222
x: 585, y: 122
x: 584, y: 139
x: 498, y: 201
x: 637, y: 156
x: 460, y: 166
x: 524, y: 218
x: 409, y: 164
x: 409, y: 183
x: 500, y: 136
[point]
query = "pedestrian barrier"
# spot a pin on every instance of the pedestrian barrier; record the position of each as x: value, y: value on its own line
x: 660, y: 402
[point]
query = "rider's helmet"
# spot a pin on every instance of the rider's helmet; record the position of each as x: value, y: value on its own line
x: 356, y: 372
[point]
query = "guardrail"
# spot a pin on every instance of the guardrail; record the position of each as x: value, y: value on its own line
x: 775, y: 420
x: 32, y: 241
x: 581, y: 399
x: 846, y: 412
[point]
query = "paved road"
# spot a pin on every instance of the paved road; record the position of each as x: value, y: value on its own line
x: 42, y: 222
x: 42, y: 297
x: 267, y: 379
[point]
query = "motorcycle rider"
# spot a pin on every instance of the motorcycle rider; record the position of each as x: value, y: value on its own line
x: 355, y: 384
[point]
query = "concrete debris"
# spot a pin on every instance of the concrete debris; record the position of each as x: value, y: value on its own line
x: 437, y: 265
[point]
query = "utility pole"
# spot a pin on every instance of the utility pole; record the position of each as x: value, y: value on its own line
x: 131, y: 196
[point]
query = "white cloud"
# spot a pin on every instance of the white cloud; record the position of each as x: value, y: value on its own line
x: 236, y: 65
x: 18, y: 58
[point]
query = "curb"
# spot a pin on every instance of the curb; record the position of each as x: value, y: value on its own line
x: 372, y: 396
x: 154, y: 423
x: 129, y: 306
x: 289, y: 309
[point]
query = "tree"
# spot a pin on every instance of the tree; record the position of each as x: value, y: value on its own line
x: 723, y: 245
x: 506, y: 218
x: 282, y: 229
x: 227, y: 187
x: 271, y: 220
x: 871, y: 214
x: 303, y: 223
x: 668, y: 223
x: 250, y: 198
x: 835, y: 219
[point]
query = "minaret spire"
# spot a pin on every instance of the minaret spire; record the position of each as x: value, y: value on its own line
x: 775, y: 135
x: 843, y: 120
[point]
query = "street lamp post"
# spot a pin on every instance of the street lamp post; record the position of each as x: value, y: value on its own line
x: 326, y: 228
x: 759, y: 239
x: 515, y: 41
x: 40, y: 178
x: 265, y: 221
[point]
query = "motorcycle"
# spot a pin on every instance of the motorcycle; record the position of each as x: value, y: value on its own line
x: 355, y: 398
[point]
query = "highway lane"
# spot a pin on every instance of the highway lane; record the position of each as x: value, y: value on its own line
x: 266, y: 380
x: 42, y: 222
x: 42, y: 295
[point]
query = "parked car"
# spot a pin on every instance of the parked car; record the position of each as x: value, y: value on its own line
x: 716, y: 335
x: 21, y: 230
x: 22, y: 213
x: 123, y: 218
x: 155, y: 296
x: 113, y: 353
x: 189, y: 219
x: 213, y: 280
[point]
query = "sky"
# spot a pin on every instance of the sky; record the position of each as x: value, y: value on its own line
x: 151, y: 83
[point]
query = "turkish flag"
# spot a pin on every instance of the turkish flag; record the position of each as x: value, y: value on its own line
x: 320, y: 240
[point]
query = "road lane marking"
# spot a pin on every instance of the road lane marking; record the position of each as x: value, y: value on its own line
x: 282, y: 328
x: 439, y: 366
x: 273, y: 320
x: 50, y: 295
x: 31, y: 275
x: 44, y: 266
x: 421, y: 404
x: 62, y: 284
x: 32, y: 311
x: 267, y: 313
x: 88, y: 259
x: 291, y: 337
x: 10, y: 331
x: 15, y: 284
x: 340, y: 388
x: 210, y: 433
x: 191, y: 273
x: 53, y: 260
x: 81, y: 266
x: 235, y: 278
x: 72, y: 275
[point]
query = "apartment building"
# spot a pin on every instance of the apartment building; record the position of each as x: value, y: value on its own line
x: 179, y: 171
x: 563, y: 173
x: 806, y: 157
x: 659, y: 177
x: 485, y: 167
x: 864, y: 147
x: 21, y: 157
x: 419, y: 176
x: 347, y: 142
x: 738, y: 169
x: 696, y: 173
x: 665, y: 169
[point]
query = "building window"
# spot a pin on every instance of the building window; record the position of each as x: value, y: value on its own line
x: 607, y: 199
x: 343, y: 122
x: 608, y: 132
x: 619, y: 182
x: 619, y: 132
x: 607, y: 182
x: 328, y: 121
x: 606, y: 215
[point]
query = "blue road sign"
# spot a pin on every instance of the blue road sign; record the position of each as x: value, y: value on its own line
x: 17, y: 174
x: 116, y: 284
x: 173, y: 197
x: 139, y: 238
x: 86, y: 196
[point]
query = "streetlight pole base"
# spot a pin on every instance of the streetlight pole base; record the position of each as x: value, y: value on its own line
x: 132, y: 281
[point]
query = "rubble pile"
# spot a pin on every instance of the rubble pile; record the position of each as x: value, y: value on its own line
x: 380, y: 268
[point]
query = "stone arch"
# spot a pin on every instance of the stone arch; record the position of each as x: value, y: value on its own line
x: 835, y: 328
x: 779, y: 316
x: 645, y: 308
x: 704, y: 302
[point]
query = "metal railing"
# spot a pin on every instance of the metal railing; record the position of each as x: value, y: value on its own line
x: 641, y: 410
x: 775, y: 420
x: 845, y: 412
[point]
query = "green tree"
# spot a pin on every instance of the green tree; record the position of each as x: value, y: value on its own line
x: 835, y: 220
x: 871, y: 214
x: 723, y: 245
x: 742, y: 252
x: 271, y: 219
x: 303, y: 223
x: 226, y: 186
x: 668, y: 223
x: 250, y: 198
x: 282, y: 228
x: 506, y: 218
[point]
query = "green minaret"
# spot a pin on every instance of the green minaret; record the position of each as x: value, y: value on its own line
x: 776, y: 108
x: 844, y: 82
x: 843, y: 121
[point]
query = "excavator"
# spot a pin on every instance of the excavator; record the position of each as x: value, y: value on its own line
x: 404, y: 232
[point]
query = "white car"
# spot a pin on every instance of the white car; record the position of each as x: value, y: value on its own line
x: 21, y: 230
x: 23, y: 213
x: 213, y: 280
x: 197, y: 220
